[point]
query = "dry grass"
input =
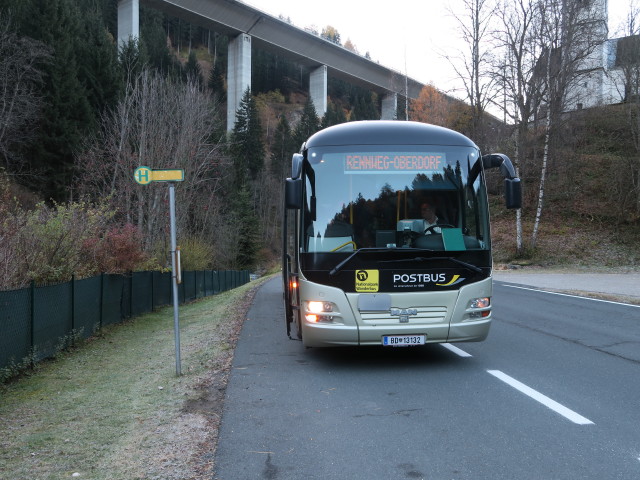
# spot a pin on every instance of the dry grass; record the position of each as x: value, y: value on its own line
x: 115, y: 409
x: 576, y: 242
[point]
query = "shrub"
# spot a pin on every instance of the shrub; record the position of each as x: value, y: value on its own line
x: 52, y: 240
x: 195, y: 254
x: 118, y: 251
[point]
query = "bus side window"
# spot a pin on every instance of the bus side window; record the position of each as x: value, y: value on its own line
x: 306, y: 212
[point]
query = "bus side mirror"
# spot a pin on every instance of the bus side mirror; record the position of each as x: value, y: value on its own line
x: 513, y: 192
x: 501, y: 161
x: 293, y: 193
x: 296, y: 165
x: 512, y: 186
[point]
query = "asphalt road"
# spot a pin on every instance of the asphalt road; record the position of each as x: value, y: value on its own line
x: 553, y: 393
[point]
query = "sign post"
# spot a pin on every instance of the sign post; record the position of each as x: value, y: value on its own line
x: 174, y: 275
x: 144, y: 176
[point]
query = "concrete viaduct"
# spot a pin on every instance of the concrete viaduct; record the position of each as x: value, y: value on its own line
x: 246, y: 26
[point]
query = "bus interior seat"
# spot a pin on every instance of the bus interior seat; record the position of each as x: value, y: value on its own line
x: 385, y: 238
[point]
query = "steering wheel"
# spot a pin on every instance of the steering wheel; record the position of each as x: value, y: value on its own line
x: 432, y: 228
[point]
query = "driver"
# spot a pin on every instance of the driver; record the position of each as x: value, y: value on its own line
x: 428, y: 212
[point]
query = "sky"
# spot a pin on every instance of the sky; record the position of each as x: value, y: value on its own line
x: 410, y: 36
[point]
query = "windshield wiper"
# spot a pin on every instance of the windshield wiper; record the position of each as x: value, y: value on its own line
x: 339, y: 266
x: 425, y: 259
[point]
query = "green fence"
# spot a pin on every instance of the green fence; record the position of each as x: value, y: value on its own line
x: 36, y: 322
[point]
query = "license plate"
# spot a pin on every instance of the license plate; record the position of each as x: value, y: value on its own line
x: 402, y: 340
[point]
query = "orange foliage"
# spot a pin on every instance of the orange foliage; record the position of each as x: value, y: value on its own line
x: 349, y: 45
x: 430, y: 107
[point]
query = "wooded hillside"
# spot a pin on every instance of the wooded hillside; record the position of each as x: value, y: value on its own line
x: 78, y: 116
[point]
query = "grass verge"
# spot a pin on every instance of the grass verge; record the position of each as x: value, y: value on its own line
x: 115, y: 409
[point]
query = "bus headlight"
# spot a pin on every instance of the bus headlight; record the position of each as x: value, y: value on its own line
x: 317, y: 311
x: 479, y: 308
x: 483, y: 302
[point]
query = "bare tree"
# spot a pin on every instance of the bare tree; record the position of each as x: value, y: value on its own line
x: 628, y: 85
x: 518, y: 39
x: 474, y: 68
x: 20, y: 100
x: 161, y: 125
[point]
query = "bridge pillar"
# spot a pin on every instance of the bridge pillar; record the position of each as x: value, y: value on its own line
x: 389, y: 106
x: 238, y: 75
x: 128, y: 21
x: 318, y: 89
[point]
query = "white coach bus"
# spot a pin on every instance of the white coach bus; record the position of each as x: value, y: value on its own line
x: 386, y: 236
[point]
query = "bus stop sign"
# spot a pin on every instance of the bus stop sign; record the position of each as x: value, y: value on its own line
x: 145, y: 175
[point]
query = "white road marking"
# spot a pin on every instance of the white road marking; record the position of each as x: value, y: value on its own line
x: 456, y: 350
x: 543, y: 399
x: 572, y: 296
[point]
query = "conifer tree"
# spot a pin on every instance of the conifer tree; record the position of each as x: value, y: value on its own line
x: 67, y: 115
x: 247, y: 147
x: 99, y: 70
x: 282, y: 150
x: 309, y: 124
x: 334, y: 116
x: 193, y: 69
x: 363, y: 108
x: 216, y: 83
x: 153, y: 43
x: 247, y: 228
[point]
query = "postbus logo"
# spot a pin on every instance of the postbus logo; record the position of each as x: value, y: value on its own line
x: 422, y: 279
x: 367, y: 281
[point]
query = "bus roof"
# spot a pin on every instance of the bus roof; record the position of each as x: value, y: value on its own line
x: 387, y: 132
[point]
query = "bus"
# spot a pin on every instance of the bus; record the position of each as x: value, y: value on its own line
x: 386, y: 236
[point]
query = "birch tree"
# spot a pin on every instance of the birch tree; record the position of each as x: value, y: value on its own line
x: 628, y: 85
x: 571, y: 34
x: 517, y: 36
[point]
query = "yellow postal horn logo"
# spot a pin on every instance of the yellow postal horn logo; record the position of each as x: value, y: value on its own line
x: 367, y: 281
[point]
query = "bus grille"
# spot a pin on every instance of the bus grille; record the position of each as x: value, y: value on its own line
x: 425, y: 315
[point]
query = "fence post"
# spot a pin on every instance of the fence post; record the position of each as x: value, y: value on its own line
x: 73, y: 309
x: 101, y: 299
x: 130, y: 294
x: 32, y: 333
x: 184, y: 288
x: 152, y: 301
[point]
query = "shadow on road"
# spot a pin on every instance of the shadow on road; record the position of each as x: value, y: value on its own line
x: 431, y: 357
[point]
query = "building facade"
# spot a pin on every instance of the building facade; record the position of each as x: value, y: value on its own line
x: 606, y: 75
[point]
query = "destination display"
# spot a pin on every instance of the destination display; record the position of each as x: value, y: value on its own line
x: 393, y: 163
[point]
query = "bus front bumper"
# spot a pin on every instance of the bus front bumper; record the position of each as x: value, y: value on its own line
x: 327, y: 335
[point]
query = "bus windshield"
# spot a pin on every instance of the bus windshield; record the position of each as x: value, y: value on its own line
x: 399, y: 196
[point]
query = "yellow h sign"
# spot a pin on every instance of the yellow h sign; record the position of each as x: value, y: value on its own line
x: 145, y: 175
